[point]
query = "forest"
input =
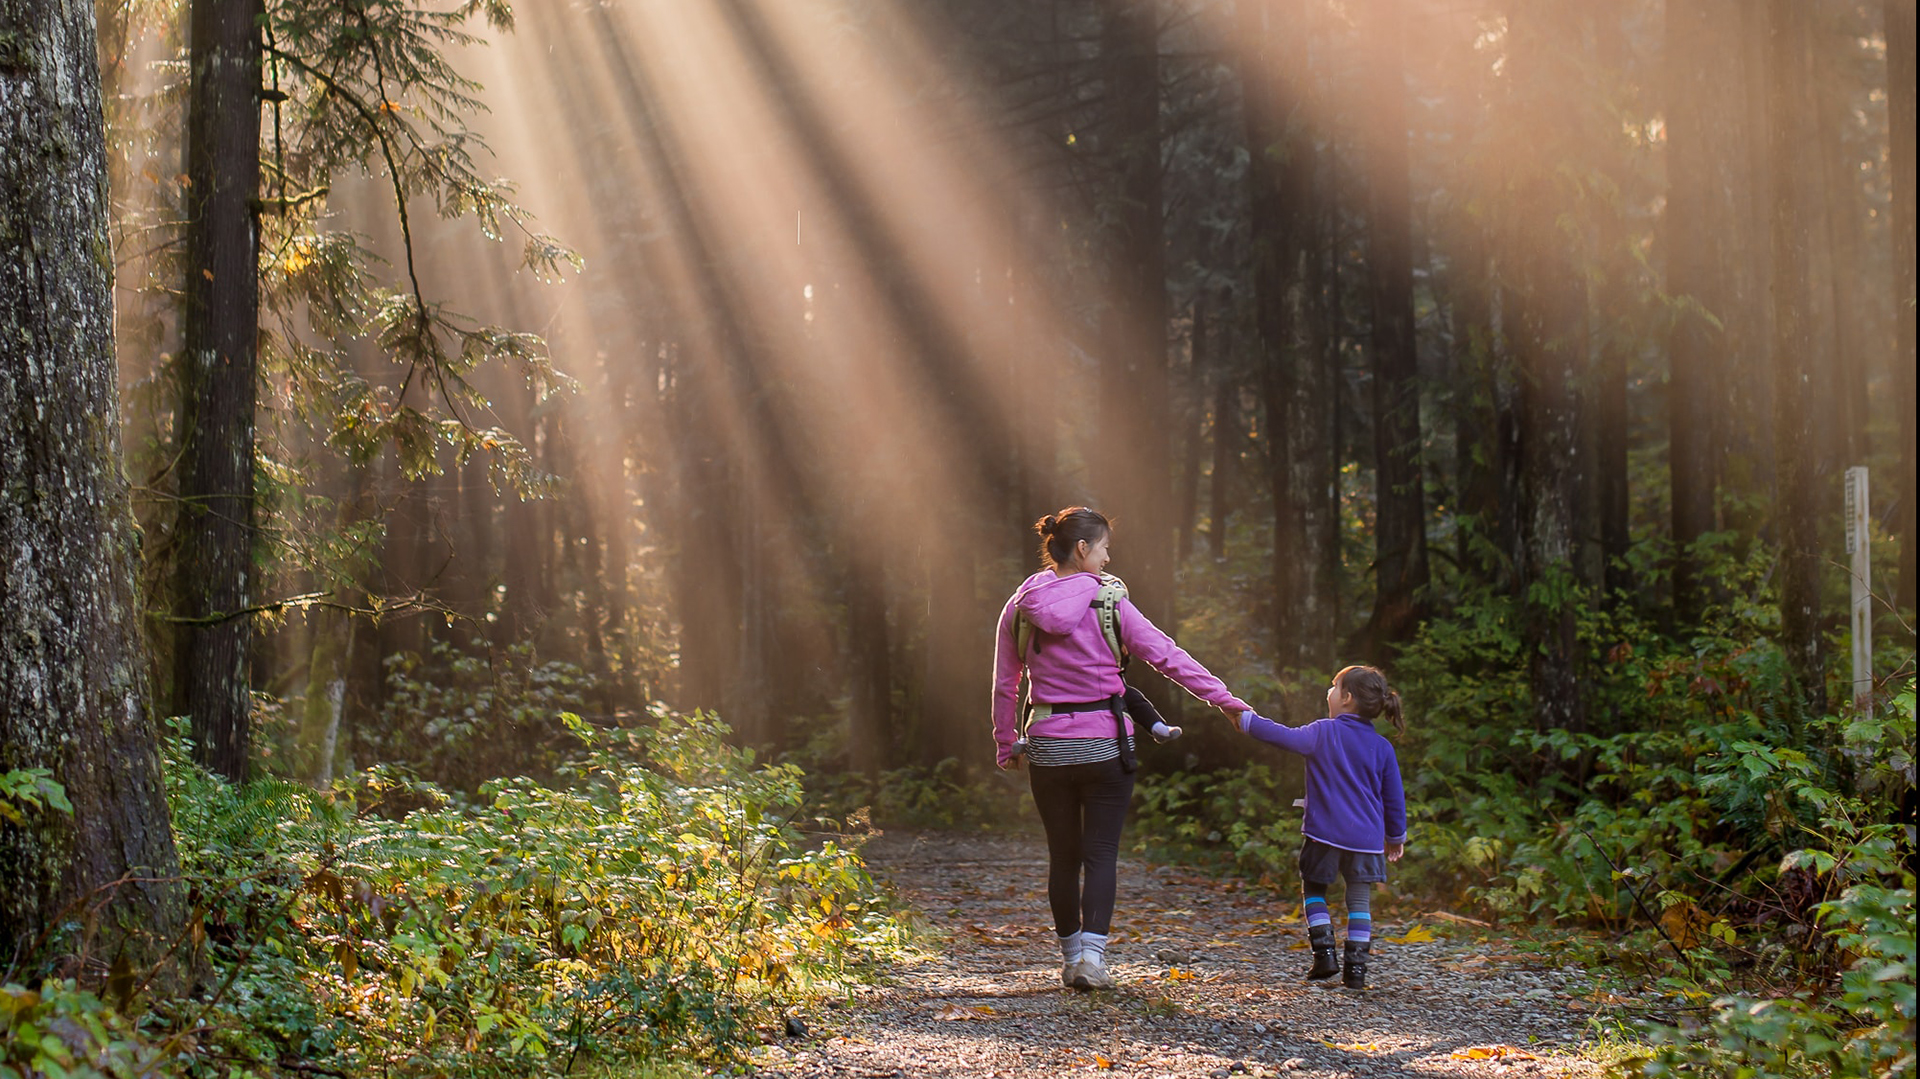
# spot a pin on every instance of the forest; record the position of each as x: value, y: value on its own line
x: 502, y: 500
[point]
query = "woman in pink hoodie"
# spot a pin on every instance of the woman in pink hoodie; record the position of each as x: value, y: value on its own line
x: 1079, y: 749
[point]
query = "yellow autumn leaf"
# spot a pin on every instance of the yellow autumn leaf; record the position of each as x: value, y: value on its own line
x: 1419, y: 934
x: 1355, y: 1047
x: 1175, y: 974
x: 962, y: 1011
x: 1101, y: 1062
x: 1494, y: 1052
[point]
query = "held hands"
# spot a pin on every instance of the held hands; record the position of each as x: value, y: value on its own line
x: 1395, y: 850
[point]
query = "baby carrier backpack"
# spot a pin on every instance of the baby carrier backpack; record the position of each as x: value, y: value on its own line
x: 1106, y: 602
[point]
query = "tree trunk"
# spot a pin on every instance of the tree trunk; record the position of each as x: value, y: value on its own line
x: 1804, y: 493
x: 1846, y: 290
x: 1747, y: 465
x: 1133, y: 477
x: 1400, y: 533
x: 1476, y: 449
x: 1548, y: 341
x: 215, y: 426
x: 1225, y: 439
x: 1280, y: 180
x: 74, y: 692
x: 1187, y: 491
x: 1698, y: 223
x: 869, y: 659
x: 1900, y: 125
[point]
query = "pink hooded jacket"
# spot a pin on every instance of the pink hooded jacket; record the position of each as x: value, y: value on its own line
x: 1068, y: 660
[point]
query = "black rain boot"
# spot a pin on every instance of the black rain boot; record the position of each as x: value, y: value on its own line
x: 1357, y: 951
x: 1325, y: 964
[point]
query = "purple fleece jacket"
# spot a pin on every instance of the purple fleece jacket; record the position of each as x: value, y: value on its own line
x: 1069, y: 661
x: 1354, y: 798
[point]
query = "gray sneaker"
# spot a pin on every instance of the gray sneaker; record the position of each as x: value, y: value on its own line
x: 1092, y: 974
x: 1068, y: 972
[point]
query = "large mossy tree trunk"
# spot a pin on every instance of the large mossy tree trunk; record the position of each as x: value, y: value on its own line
x: 213, y: 579
x: 74, y: 695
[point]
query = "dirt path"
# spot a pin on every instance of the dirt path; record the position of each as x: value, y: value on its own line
x: 1208, y: 987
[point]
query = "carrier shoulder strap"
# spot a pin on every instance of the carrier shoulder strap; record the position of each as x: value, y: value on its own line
x: 1107, y: 602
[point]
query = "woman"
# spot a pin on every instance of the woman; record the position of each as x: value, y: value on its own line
x: 1078, y: 743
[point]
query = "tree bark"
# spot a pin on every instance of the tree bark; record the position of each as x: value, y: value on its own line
x: 1133, y: 476
x: 1844, y: 216
x: 1699, y: 219
x: 1747, y: 465
x: 869, y: 656
x: 1802, y: 503
x: 1548, y: 341
x: 1900, y: 124
x: 218, y: 380
x: 74, y: 691
x: 1225, y: 447
x: 1192, y: 424
x: 1280, y: 178
x: 1400, y: 534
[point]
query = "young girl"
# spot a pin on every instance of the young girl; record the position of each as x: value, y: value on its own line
x: 1356, y: 810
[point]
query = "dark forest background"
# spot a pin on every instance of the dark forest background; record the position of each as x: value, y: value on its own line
x: 1349, y: 314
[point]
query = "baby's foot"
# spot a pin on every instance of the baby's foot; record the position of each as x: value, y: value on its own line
x: 1163, y: 733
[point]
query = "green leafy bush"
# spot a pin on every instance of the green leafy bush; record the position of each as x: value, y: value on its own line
x: 1867, y: 1026
x: 659, y: 905
x: 63, y: 1031
x: 462, y: 716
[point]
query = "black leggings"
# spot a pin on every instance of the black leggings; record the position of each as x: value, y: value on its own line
x: 1082, y: 807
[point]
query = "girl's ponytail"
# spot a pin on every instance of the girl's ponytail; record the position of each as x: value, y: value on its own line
x: 1371, y: 697
x: 1390, y: 708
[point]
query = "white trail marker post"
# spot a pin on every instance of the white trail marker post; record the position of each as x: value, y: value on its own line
x: 1862, y: 578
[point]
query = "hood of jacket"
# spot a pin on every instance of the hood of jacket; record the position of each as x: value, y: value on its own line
x: 1057, y: 604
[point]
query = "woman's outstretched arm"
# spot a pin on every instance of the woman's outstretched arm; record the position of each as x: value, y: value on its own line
x: 1145, y: 640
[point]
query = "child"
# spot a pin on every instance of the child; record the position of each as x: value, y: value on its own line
x: 1356, y: 811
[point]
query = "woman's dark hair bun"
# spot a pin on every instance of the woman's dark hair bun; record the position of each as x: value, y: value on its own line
x: 1061, y: 532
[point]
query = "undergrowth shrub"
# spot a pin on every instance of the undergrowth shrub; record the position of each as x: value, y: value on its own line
x: 462, y: 716
x: 1750, y: 863
x: 661, y: 905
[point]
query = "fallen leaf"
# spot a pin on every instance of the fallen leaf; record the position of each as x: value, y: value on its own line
x: 1419, y: 934
x: 962, y: 1011
x: 1175, y: 974
x: 1494, y: 1052
x: 1101, y: 1062
x: 1449, y: 916
x: 1356, y: 1047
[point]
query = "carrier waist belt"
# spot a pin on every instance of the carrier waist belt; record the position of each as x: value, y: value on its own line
x: 1105, y: 704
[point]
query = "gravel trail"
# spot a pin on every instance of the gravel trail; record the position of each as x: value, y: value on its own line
x: 1209, y: 987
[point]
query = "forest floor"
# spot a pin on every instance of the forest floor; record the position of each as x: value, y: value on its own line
x: 1209, y: 986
